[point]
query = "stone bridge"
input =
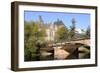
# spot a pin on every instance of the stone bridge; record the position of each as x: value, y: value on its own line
x: 65, y: 49
x: 82, y: 41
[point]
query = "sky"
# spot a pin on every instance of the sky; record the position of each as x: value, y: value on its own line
x: 82, y: 20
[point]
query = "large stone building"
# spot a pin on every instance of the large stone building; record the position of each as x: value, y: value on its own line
x: 52, y: 28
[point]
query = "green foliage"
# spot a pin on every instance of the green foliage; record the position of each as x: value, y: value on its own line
x: 32, y: 34
x: 72, y: 30
x: 86, y: 33
x: 62, y: 34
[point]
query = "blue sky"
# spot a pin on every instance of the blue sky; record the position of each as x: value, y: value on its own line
x: 82, y: 20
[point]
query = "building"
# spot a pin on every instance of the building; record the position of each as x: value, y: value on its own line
x: 52, y: 28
